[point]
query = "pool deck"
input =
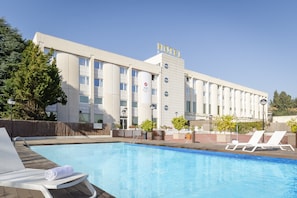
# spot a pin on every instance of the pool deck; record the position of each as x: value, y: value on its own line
x: 34, y: 160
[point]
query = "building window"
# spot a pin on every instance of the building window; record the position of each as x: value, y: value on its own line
x: 166, y: 66
x: 98, y: 101
x: 98, y: 118
x: 134, y: 104
x: 166, y: 93
x: 98, y: 82
x: 134, y: 121
x: 123, y: 70
x: 134, y: 73
x: 84, y: 80
x: 84, y: 117
x: 188, y: 106
x: 123, y: 103
x: 204, y: 108
x: 194, y: 107
x: 123, y: 86
x: 166, y: 107
x: 98, y: 65
x: 47, y: 50
x: 188, y: 91
x: 166, y: 80
x: 83, y: 62
x: 134, y: 88
x: 154, y: 91
x: 84, y: 99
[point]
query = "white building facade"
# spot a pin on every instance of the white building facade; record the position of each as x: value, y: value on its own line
x: 113, y: 89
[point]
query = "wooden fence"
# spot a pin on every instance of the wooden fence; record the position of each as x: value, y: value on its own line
x: 25, y: 128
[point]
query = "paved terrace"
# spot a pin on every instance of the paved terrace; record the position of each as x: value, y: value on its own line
x: 33, y: 160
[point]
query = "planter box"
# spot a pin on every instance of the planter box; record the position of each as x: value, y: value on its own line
x: 223, y: 138
x: 158, y: 138
x: 149, y: 135
x: 178, y: 136
x: 292, y: 140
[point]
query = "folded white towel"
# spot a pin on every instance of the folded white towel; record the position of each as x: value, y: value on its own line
x: 58, y: 172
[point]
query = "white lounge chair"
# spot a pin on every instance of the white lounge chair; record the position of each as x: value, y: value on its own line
x: 14, y: 174
x: 253, y: 140
x: 273, y: 142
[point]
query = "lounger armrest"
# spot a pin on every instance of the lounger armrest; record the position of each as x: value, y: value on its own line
x: 66, y: 182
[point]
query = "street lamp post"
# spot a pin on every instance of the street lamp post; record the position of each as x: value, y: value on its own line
x: 123, y: 119
x: 263, y: 102
x: 11, y: 102
x: 152, y: 106
x: 124, y: 116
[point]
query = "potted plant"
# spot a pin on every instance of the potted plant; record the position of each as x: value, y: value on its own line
x: 223, y: 124
x: 158, y: 135
x: 179, y: 123
x: 293, y: 125
x: 147, y: 126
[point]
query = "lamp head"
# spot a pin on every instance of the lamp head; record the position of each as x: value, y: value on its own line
x: 263, y: 101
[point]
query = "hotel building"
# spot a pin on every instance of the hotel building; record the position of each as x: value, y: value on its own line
x: 113, y: 89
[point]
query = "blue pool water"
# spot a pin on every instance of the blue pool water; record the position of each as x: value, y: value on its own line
x: 130, y: 170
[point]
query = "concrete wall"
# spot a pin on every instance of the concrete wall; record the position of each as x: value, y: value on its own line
x: 282, y: 119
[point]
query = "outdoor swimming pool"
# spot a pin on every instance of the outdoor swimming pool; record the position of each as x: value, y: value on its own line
x: 132, y: 170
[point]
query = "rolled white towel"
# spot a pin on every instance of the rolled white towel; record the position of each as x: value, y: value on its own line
x: 58, y: 172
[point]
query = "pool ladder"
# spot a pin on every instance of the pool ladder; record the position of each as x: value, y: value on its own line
x: 135, y: 137
x: 20, y: 138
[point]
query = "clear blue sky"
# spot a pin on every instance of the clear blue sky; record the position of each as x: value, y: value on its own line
x: 249, y: 42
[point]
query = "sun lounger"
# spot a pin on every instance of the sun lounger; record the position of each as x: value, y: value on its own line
x: 273, y: 142
x: 14, y: 174
x: 253, y: 140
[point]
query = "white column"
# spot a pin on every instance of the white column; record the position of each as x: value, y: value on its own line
x: 69, y: 67
x: 248, y: 105
x: 91, y: 90
x: 226, y: 101
x: 232, y: 112
x: 111, y: 93
x: 214, y: 99
x: 207, y: 100
x: 257, y: 105
x: 237, y: 103
x: 144, y: 96
x: 129, y: 96
x: 199, y: 97
x: 220, y: 102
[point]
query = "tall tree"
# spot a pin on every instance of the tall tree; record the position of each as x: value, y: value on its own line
x: 11, y: 47
x: 283, y: 104
x: 36, y: 84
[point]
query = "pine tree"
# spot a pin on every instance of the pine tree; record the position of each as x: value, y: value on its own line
x: 36, y: 84
x: 11, y: 48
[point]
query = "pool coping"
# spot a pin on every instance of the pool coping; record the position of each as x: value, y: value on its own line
x: 220, y: 147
